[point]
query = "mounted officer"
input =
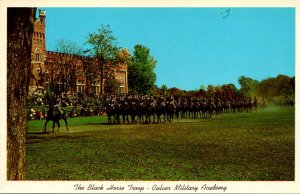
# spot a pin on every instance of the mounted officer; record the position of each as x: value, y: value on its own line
x: 57, y: 105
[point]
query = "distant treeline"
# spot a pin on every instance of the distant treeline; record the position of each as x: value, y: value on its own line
x: 280, y: 89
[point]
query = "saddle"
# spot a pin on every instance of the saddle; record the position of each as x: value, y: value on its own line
x: 61, y: 112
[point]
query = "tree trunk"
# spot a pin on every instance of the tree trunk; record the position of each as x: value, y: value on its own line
x: 20, y: 23
x: 101, y: 77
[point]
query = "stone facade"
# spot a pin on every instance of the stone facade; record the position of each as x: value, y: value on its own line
x: 47, y: 65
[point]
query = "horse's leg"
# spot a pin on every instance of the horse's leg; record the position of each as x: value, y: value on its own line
x: 153, y: 118
x: 146, y: 118
x: 119, y: 118
x: 53, y: 126
x: 123, y: 116
x: 108, y: 119
x: 116, y: 118
x: 133, y: 118
x: 142, y: 118
x: 138, y: 119
x: 58, y: 124
x: 168, y: 117
x: 66, y: 123
x: 150, y: 116
x: 45, y: 126
x: 158, y: 118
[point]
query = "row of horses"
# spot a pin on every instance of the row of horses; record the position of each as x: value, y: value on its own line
x: 158, y: 110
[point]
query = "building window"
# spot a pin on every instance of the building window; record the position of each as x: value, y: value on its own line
x: 38, y: 57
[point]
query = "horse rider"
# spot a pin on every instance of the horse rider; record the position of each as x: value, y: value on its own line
x: 173, y: 101
x: 57, y: 104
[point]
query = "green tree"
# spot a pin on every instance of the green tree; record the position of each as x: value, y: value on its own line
x: 202, y: 87
x: 105, y: 51
x: 20, y: 23
x: 155, y: 91
x: 249, y: 86
x: 281, y: 86
x: 210, y: 90
x: 164, y: 89
x: 266, y: 88
x: 141, y: 75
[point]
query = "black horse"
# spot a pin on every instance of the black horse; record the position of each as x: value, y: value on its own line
x: 55, y: 115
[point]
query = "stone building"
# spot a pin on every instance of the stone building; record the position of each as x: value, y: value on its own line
x: 49, y: 67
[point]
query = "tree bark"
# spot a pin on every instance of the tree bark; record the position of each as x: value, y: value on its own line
x: 20, y: 23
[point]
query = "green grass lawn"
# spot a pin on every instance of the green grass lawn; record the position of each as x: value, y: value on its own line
x: 242, y: 146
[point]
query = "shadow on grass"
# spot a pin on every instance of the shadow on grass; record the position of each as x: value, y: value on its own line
x: 162, y: 123
x: 108, y: 123
x: 38, y: 133
x: 51, y: 137
x: 95, y: 123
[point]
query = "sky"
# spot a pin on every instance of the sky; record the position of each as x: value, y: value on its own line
x: 192, y: 46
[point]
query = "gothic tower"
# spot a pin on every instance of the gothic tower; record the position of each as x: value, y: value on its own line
x: 38, y: 53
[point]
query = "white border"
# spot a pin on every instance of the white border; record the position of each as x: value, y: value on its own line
x: 68, y: 186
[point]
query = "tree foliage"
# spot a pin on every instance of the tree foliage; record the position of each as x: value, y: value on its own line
x: 89, y: 73
x: 281, y: 86
x: 123, y: 56
x: 67, y: 68
x: 105, y: 50
x: 68, y: 47
x: 141, y: 75
x: 164, y: 89
x: 111, y: 86
x: 249, y: 86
